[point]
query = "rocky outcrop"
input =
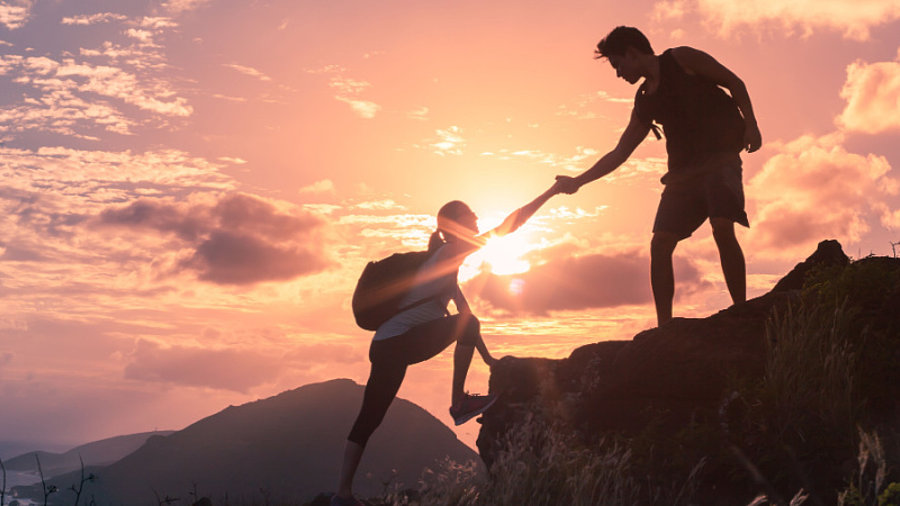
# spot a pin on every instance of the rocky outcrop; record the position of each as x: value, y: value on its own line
x: 665, y: 375
x: 684, y: 374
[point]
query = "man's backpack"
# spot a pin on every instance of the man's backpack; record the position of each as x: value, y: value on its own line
x: 382, y: 286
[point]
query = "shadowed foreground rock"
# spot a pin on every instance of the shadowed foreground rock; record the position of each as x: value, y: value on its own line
x: 662, y: 381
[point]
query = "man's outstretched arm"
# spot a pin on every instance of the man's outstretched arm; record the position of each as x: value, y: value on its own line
x: 634, y: 133
x: 697, y: 62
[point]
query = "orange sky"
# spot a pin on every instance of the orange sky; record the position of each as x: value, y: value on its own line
x: 190, y: 188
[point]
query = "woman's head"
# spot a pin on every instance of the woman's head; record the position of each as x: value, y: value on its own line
x: 454, y: 221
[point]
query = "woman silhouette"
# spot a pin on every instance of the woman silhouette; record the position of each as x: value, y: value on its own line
x: 426, y: 329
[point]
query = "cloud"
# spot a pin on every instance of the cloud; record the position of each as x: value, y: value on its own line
x: 349, y: 91
x: 872, y: 92
x: 854, y: 19
x: 420, y: 114
x: 16, y: 15
x: 451, y: 141
x: 815, y: 189
x: 585, y: 105
x: 240, y: 259
x: 229, y: 369
x: 580, y: 282
x: 72, y: 98
x: 237, y: 240
x: 323, y: 186
x: 93, y: 19
x: 248, y: 71
x: 116, y: 83
x: 176, y: 7
x: 364, y: 108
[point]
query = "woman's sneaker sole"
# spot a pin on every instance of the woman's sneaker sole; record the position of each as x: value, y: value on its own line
x: 465, y: 417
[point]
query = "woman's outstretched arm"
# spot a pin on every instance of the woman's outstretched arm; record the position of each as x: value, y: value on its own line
x: 518, y: 217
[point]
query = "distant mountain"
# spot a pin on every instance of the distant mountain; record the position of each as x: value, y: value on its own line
x: 285, y: 448
x: 98, y: 453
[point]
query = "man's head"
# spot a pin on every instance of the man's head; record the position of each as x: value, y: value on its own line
x: 617, y: 42
x: 625, y: 47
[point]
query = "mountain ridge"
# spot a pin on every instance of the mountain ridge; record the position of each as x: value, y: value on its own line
x: 287, y: 448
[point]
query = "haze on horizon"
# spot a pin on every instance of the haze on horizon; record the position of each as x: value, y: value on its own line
x: 191, y: 187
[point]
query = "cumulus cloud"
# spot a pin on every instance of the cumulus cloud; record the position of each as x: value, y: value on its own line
x: 450, y: 141
x: 853, y: 19
x: 872, y: 92
x: 70, y: 98
x: 83, y: 91
x: 229, y: 369
x: 580, y: 282
x: 229, y: 258
x: 93, y: 19
x: 237, y: 240
x: 14, y: 14
x: 814, y: 189
x: 49, y: 199
x: 176, y: 7
x: 116, y: 83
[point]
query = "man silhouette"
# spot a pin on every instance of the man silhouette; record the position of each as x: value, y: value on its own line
x: 705, y: 130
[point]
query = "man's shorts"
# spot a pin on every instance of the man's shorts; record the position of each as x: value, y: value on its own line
x: 713, y: 189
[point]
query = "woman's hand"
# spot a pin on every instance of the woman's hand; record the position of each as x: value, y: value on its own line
x: 566, y: 184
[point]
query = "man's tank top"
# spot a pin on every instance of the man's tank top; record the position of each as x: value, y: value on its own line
x: 697, y: 116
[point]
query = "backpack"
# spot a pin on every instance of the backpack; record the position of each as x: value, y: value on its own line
x: 382, y: 286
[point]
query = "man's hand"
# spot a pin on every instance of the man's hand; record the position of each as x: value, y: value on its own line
x: 752, y: 138
x: 566, y: 184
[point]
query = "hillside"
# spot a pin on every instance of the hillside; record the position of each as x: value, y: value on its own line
x: 97, y: 453
x: 283, y: 448
x: 796, y: 390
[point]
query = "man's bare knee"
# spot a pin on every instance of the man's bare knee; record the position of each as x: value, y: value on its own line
x: 722, y: 228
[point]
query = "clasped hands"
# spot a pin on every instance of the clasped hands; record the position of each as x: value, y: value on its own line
x: 565, y: 184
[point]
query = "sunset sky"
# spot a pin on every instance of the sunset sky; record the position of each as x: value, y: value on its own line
x: 191, y: 188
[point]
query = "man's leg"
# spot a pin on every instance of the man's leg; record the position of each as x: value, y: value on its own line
x: 662, y: 275
x: 732, y: 258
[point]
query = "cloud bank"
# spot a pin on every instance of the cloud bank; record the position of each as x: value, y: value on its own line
x: 230, y: 369
x: 238, y: 240
x: 853, y: 19
x: 814, y: 189
x: 581, y: 282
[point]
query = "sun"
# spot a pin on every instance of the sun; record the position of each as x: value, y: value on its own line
x: 501, y: 256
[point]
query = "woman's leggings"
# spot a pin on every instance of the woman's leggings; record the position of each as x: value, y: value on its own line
x: 391, y: 356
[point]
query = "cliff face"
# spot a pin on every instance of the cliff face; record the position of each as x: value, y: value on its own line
x: 667, y: 378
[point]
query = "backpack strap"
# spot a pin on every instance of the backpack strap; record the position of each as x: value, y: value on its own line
x: 424, y: 300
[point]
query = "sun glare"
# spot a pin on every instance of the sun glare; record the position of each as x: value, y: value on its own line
x: 501, y: 256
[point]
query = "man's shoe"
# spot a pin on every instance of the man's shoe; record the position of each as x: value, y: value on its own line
x: 471, y: 406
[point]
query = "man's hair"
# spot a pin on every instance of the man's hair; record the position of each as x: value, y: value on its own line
x: 619, y: 40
